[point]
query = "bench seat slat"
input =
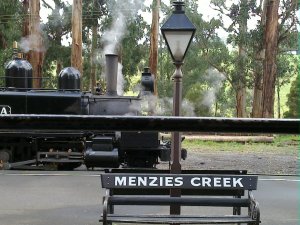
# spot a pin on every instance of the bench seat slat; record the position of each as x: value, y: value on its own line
x: 169, y: 219
x: 184, y: 201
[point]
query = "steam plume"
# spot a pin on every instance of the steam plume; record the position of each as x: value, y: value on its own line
x: 215, y: 78
x: 121, y: 12
x: 34, y: 42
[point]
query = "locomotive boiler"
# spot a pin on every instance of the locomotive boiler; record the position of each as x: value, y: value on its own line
x: 69, y: 150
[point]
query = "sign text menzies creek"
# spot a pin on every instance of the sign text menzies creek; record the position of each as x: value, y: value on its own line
x: 179, y: 181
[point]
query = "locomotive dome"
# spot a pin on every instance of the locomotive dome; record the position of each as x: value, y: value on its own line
x: 69, y: 79
x: 18, y: 73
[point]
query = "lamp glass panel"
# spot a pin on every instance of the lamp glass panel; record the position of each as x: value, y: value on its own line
x: 178, y: 42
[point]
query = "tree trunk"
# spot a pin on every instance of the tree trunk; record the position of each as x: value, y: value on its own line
x: 36, y: 54
x: 241, y: 102
x: 3, y: 43
x: 76, y: 53
x: 259, y: 57
x: 58, y: 67
x: 25, y: 32
x: 257, y: 96
x: 153, y: 59
x: 26, y: 18
x: 93, y: 55
x: 216, y: 108
x: 269, y: 69
x: 278, y: 100
x: 241, y: 86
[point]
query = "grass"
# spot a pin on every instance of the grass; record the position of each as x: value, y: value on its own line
x: 283, y: 144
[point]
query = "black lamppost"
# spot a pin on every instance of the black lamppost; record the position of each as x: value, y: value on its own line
x: 178, y: 32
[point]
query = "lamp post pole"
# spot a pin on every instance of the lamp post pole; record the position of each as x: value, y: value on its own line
x: 176, y: 136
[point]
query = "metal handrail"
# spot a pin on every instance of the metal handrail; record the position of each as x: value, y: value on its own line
x: 20, y: 122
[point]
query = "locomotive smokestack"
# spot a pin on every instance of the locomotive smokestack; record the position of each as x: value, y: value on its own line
x: 111, y: 73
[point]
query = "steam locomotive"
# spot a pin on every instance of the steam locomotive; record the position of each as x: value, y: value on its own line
x: 70, y: 150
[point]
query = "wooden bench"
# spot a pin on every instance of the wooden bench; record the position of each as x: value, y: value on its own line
x: 198, y: 188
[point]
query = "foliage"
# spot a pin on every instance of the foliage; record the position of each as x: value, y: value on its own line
x: 293, y: 99
x: 57, y: 27
x: 208, y: 50
x: 10, y: 30
x: 133, y: 50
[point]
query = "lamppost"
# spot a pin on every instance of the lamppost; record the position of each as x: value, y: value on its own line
x: 178, y: 32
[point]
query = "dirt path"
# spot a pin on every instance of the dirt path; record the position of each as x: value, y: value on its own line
x: 265, y: 161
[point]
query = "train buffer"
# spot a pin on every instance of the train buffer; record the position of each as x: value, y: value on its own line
x: 229, y: 190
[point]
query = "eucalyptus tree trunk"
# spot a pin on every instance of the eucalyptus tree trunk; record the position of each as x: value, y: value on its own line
x: 76, y: 52
x: 269, y: 68
x: 36, y: 54
x: 93, y: 55
x: 25, y: 31
x: 257, y: 96
x: 153, y: 59
x: 241, y: 101
x: 278, y: 100
x: 259, y: 57
x: 241, y: 86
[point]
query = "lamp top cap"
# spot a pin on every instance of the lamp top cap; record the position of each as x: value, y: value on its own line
x: 178, y: 6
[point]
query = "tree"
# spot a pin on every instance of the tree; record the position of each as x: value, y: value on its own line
x: 10, y: 30
x: 286, y: 70
x: 36, y: 54
x: 252, y: 57
x: 238, y: 36
x: 279, y: 37
x: 293, y: 99
x: 134, y: 51
x: 76, y: 53
x: 93, y: 12
x: 269, y: 68
x: 153, y: 59
x: 57, y: 27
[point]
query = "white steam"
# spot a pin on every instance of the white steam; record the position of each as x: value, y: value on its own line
x: 215, y: 78
x: 164, y: 106
x: 122, y: 11
x: 114, y: 36
x: 120, y: 80
x: 33, y: 42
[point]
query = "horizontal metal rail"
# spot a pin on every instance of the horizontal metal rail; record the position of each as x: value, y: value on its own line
x: 78, y: 123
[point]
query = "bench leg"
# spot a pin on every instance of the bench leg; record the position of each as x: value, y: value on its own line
x: 237, y: 210
x: 253, y: 209
x: 105, y: 211
x: 107, y: 208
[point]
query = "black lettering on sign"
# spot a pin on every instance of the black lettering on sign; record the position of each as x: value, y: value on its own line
x: 5, y: 109
x: 188, y: 181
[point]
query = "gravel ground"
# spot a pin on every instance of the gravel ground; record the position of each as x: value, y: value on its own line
x: 254, y: 163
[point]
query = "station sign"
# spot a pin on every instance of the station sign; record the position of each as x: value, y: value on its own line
x: 186, y: 181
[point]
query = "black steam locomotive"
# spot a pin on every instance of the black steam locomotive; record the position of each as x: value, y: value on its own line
x: 70, y: 150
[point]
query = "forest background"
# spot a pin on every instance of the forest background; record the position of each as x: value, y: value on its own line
x: 243, y: 62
